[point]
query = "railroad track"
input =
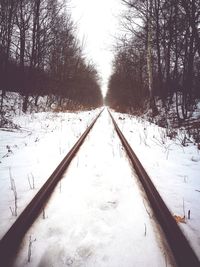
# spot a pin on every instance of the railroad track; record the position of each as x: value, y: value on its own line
x: 10, y: 242
x: 181, y: 249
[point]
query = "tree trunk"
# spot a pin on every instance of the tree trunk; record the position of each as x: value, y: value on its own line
x: 8, y: 29
x: 160, y: 76
x: 149, y: 58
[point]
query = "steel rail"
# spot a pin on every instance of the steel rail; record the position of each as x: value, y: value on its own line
x: 10, y: 242
x: 179, y: 245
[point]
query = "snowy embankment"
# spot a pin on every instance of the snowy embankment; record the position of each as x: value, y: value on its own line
x: 30, y: 154
x: 172, y: 160
x: 98, y: 215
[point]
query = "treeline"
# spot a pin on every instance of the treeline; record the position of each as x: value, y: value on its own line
x: 158, y: 58
x: 40, y: 54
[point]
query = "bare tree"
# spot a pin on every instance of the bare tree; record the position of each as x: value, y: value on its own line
x: 168, y: 32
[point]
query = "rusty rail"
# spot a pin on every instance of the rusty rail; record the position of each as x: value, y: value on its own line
x: 10, y: 242
x: 179, y: 245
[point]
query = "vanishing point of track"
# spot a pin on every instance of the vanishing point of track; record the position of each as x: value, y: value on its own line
x: 180, y: 247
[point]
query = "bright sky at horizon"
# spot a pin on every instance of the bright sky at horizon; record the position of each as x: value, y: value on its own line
x: 98, y: 23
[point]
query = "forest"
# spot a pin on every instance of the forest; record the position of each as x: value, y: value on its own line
x: 40, y: 55
x: 157, y: 58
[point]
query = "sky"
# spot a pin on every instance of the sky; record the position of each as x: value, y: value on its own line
x: 98, y: 24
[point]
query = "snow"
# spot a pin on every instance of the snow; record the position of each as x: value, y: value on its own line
x: 98, y: 213
x: 43, y: 140
x: 173, y: 168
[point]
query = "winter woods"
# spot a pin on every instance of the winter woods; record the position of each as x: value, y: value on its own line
x: 40, y: 55
x: 158, y: 57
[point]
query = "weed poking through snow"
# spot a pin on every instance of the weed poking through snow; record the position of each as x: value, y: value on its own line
x: 145, y: 229
x: 13, y: 188
x: 31, y: 181
x: 30, y: 248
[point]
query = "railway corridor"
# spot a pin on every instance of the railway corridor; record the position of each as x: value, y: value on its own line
x: 98, y: 214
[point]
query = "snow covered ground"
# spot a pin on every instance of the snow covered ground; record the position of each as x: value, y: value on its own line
x: 173, y: 168
x: 98, y: 216
x: 28, y: 156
